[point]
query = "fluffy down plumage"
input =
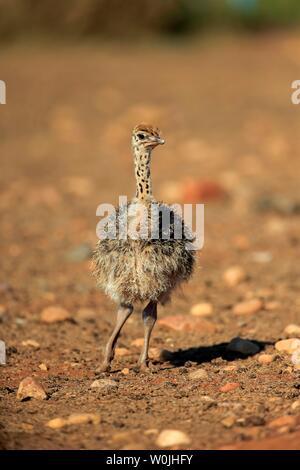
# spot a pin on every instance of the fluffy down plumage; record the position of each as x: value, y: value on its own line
x: 134, y: 270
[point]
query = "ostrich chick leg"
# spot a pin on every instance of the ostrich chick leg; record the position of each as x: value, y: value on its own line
x: 149, y: 318
x: 123, y: 314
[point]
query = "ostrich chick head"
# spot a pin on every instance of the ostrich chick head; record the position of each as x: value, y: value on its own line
x: 146, y: 136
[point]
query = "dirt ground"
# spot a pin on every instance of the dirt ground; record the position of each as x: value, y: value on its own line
x: 225, y: 110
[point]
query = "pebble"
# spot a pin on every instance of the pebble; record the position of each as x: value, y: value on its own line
x: 199, y: 374
x: 43, y: 366
x: 74, y: 419
x: 266, y: 358
x: 241, y: 242
x: 31, y: 343
x: 125, y: 371
x: 202, y: 191
x: 202, y: 310
x: 229, y: 421
x: 172, y: 437
x: 288, y: 345
x: 104, y: 384
x: 54, y: 314
x: 286, y: 420
x: 121, y: 352
x: 56, y: 423
x: 295, y: 405
x: 262, y: 257
x: 230, y: 368
x: 79, y: 253
x: 151, y: 432
x: 248, y: 307
x: 272, y: 305
x: 292, y: 330
x: 83, y: 418
x: 296, y: 358
x: 234, y: 276
x: 138, y: 342
x: 86, y: 314
x: 243, y: 346
x: 185, y: 323
x: 31, y: 388
x: 229, y: 387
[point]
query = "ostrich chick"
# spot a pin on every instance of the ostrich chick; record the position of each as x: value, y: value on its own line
x: 143, y: 269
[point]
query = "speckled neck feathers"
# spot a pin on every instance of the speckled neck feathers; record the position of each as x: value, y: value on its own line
x: 142, y: 160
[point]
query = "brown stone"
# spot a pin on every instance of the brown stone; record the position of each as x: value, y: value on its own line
x: 229, y: 387
x: 30, y: 388
x: 54, y: 314
x: 185, y: 323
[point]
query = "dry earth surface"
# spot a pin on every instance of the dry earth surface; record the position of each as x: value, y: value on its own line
x: 225, y: 110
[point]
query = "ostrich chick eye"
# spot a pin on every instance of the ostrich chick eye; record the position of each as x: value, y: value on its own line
x: 141, y: 136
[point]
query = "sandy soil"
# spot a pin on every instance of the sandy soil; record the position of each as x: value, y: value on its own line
x: 225, y: 110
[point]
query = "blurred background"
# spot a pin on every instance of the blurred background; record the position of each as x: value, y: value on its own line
x: 216, y: 77
x: 105, y: 18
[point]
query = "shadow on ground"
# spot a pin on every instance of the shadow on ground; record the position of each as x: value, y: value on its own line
x: 203, y: 354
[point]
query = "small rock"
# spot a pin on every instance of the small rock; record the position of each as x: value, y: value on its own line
x: 199, y: 374
x: 121, y: 352
x: 230, y: 368
x: 296, y: 358
x: 83, y: 418
x: 282, y: 421
x: 248, y: 307
x: 295, y: 405
x: 31, y: 343
x: 241, y: 242
x: 56, y: 423
x: 43, y: 366
x: 80, y: 253
x: 292, y: 330
x: 266, y: 358
x: 262, y: 257
x: 288, y: 345
x: 30, y: 388
x: 229, y: 387
x: 151, y: 432
x: 243, y: 346
x: 172, y: 437
x: 125, y: 371
x: 74, y: 420
x: 234, y: 276
x: 202, y: 310
x: 229, y: 421
x: 54, y: 314
x: 185, y: 323
x: 104, y: 384
x: 272, y: 305
x: 86, y: 314
x: 265, y: 292
x: 202, y: 191
x: 138, y: 342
